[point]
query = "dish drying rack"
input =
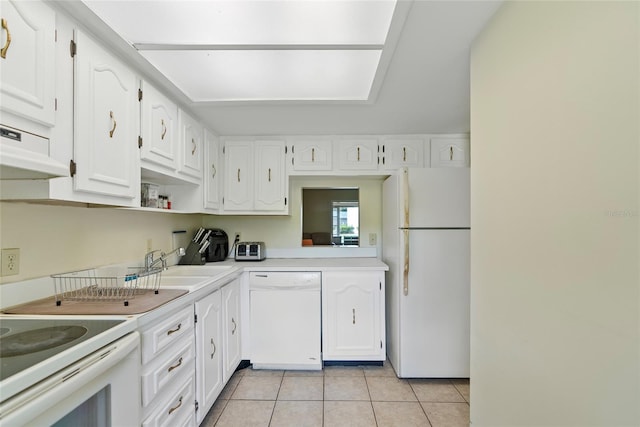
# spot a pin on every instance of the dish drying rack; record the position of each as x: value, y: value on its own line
x: 105, y: 284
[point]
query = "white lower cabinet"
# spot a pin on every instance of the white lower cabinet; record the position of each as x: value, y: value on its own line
x: 217, y: 344
x: 231, y: 329
x: 209, y: 382
x: 168, y: 371
x: 353, y: 316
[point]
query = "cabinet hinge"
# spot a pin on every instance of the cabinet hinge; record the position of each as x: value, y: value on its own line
x: 285, y: 149
x: 380, y: 285
x: 72, y: 168
x: 380, y: 343
x: 195, y: 318
x: 139, y: 94
x: 139, y: 142
x: 223, y: 147
x: 196, y: 404
x: 293, y: 149
x: 73, y: 48
x: 55, y: 36
x: 285, y: 201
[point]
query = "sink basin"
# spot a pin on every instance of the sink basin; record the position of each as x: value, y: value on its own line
x: 184, y: 282
x: 196, y: 270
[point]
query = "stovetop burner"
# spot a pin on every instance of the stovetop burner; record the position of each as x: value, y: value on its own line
x: 26, y: 342
x: 39, y: 339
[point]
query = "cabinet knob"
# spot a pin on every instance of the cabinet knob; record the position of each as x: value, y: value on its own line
x: 172, y: 410
x: 5, y: 48
x: 114, y: 124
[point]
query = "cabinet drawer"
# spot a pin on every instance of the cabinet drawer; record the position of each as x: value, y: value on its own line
x: 178, y: 409
x: 177, y: 362
x: 159, y: 337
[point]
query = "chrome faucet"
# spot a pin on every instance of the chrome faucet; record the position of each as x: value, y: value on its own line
x: 150, y: 261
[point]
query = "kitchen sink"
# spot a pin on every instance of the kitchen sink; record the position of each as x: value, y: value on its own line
x: 196, y: 270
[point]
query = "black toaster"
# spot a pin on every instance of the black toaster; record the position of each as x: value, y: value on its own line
x: 218, y: 248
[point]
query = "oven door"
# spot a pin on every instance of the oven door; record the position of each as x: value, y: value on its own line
x: 102, y: 389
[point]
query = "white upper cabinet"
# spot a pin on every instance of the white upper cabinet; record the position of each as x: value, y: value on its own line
x: 310, y: 155
x: 396, y: 153
x: 159, y: 121
x: 269, y: 178
x: 27, y: 60
x: 238, y: 177
x: 449, y: 152
x: 212, y: 171
x: 255, y: 177
x: 106, y: 122
x: 357, y: 154
x: 191, y: 140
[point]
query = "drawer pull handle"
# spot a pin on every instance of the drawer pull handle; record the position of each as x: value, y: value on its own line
x: 213, y: 167
x: 171, y: 331
x: 213, y: 345
x: 113, y: 129
x: 172, y: 410
x: 5, y: 48
x: 164, y: 129
x: 171, y: 368
x: 354, y: 316
x: 233, y: 331
x: 193, y: 143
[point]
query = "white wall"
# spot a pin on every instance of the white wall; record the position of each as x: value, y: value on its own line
x: 555, y: 216
x: 56, y: 239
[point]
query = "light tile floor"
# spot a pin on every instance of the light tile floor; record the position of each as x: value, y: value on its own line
x: 339, y: 396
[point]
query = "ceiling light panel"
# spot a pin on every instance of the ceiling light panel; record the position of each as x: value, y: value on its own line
x: 265, y: 75
x: 247, y: 22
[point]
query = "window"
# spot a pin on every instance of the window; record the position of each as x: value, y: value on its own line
x: 346, y: 223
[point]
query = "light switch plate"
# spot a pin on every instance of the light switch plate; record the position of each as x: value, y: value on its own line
x: 373, y: 239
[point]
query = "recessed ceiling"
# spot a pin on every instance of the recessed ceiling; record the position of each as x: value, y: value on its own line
x: 284, y: 50
x: 421, y: 84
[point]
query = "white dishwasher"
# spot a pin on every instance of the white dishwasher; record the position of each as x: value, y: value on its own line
x: 285, y: 320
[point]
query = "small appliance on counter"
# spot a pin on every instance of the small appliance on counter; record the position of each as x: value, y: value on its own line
x: 208, y: 245
x: 250, y: 251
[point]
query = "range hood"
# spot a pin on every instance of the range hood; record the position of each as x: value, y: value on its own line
x: 24, y: 155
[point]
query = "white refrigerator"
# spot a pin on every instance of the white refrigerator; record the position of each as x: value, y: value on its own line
x: 425, y: 242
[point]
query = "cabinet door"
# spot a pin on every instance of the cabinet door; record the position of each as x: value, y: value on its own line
x: 159, y: 123
x: 231, y: 328
x: 398, y: 153
x: 360, y: 154
x: 208, y: 352
x: 106, y: 122
x: 27, y: 66
x: 449, y: 152
x: 191, y: 137
x: 212, y: 171
x: 353, y: 315
x: 270, y: 178
x: 311, y: 156
x: 238, y: 184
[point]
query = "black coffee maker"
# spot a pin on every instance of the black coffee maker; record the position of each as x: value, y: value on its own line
x: 218, y: 248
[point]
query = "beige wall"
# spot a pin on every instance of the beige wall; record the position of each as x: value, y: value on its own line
x: 55, y: 239
x: 286, y: 231
x: 555, y: 216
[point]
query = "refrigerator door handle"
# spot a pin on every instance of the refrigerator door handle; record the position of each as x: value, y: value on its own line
x: 406, y: 263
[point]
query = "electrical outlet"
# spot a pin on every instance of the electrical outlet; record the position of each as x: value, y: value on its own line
x: 373, y: 239
x: 237, y: 234
x: 10, y: 262
x: 149, y: 245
